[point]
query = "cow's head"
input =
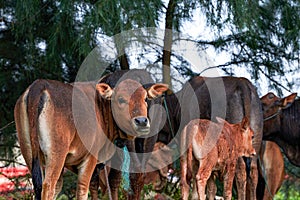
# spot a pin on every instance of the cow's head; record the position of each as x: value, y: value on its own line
x: 246, y: 134
x: 272, y: 107
x: 128, y: 101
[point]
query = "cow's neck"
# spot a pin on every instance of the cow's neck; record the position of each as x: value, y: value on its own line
x: 173, y: 112
x: 291, y: 152
x: 105, y: 118
x: 288, y: 138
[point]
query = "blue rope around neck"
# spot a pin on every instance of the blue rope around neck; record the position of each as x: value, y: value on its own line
x: 125, y: 169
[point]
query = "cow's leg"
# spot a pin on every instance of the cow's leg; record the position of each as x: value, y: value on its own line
x: 114, y: 178
x: 211, y: 188
x: 59, y: 185
x: 240, y: 177
x: 252, y: 180
x: 85, y: 171
x: 94, y: 184
x: 228, y: 180
x: 53, y: 170
x: 137, y: 184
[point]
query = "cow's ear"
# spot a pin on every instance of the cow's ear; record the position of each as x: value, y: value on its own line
x: 270, y: 95
x: 104, y: 90
x: 287, y: 101
x: 245, y: 123
x: 157, y: 90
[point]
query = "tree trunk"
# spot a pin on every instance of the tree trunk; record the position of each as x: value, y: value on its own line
x: 122, y: 56
x: 166, y: 61
x: 124, y: 61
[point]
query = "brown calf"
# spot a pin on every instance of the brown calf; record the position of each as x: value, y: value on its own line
x: 62, y: 125
x: 213, y: 147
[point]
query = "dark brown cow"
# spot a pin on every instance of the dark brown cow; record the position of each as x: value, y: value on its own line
x: 231, y: 98
x: 281, y: 124
x: 208, y: 147
x: 272, y: 169
x: 62, y: 125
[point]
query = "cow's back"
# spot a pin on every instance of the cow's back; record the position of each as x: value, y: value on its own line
x: 28, y: 108
x: 66, y: 107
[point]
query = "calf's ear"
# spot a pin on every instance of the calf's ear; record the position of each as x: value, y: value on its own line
x: 245, y: 123
x: 104, y: 90
x: 287, y: 101
x: 157, y: 90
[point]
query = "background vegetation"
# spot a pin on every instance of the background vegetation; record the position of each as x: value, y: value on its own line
x: 50, y: 39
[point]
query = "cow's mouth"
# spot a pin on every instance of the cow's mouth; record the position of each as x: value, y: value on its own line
x: 141, y: 125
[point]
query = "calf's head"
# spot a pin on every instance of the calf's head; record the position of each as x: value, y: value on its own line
x: 247, y: 137
x: 272, y: 107
x: 129, y: 107
x: 244, y: 137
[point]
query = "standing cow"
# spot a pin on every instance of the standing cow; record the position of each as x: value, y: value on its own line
x: 140, y: 148
x: 208, y: 147
x: 74, y: 125
x: 231, y: 98
x: 281, y: 124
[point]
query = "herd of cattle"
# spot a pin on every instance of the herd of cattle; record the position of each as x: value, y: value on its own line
x: 224, y: 130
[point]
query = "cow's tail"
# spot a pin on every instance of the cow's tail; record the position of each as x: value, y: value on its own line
x: 189, y: 157
x: 183, y: 157
x: 246, y: 98
x: 34, y: 106
x: 37, y: 178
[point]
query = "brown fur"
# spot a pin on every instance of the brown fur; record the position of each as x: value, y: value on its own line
x: 273, y: 169
x: 213, y: 147
x: 63, y: 125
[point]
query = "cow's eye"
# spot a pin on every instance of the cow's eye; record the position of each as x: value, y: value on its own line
x: 121, y: 100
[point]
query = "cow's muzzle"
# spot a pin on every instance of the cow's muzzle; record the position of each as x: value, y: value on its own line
x: 141, y: 125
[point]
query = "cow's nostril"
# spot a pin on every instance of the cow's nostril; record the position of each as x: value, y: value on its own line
x: 141, y: 121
